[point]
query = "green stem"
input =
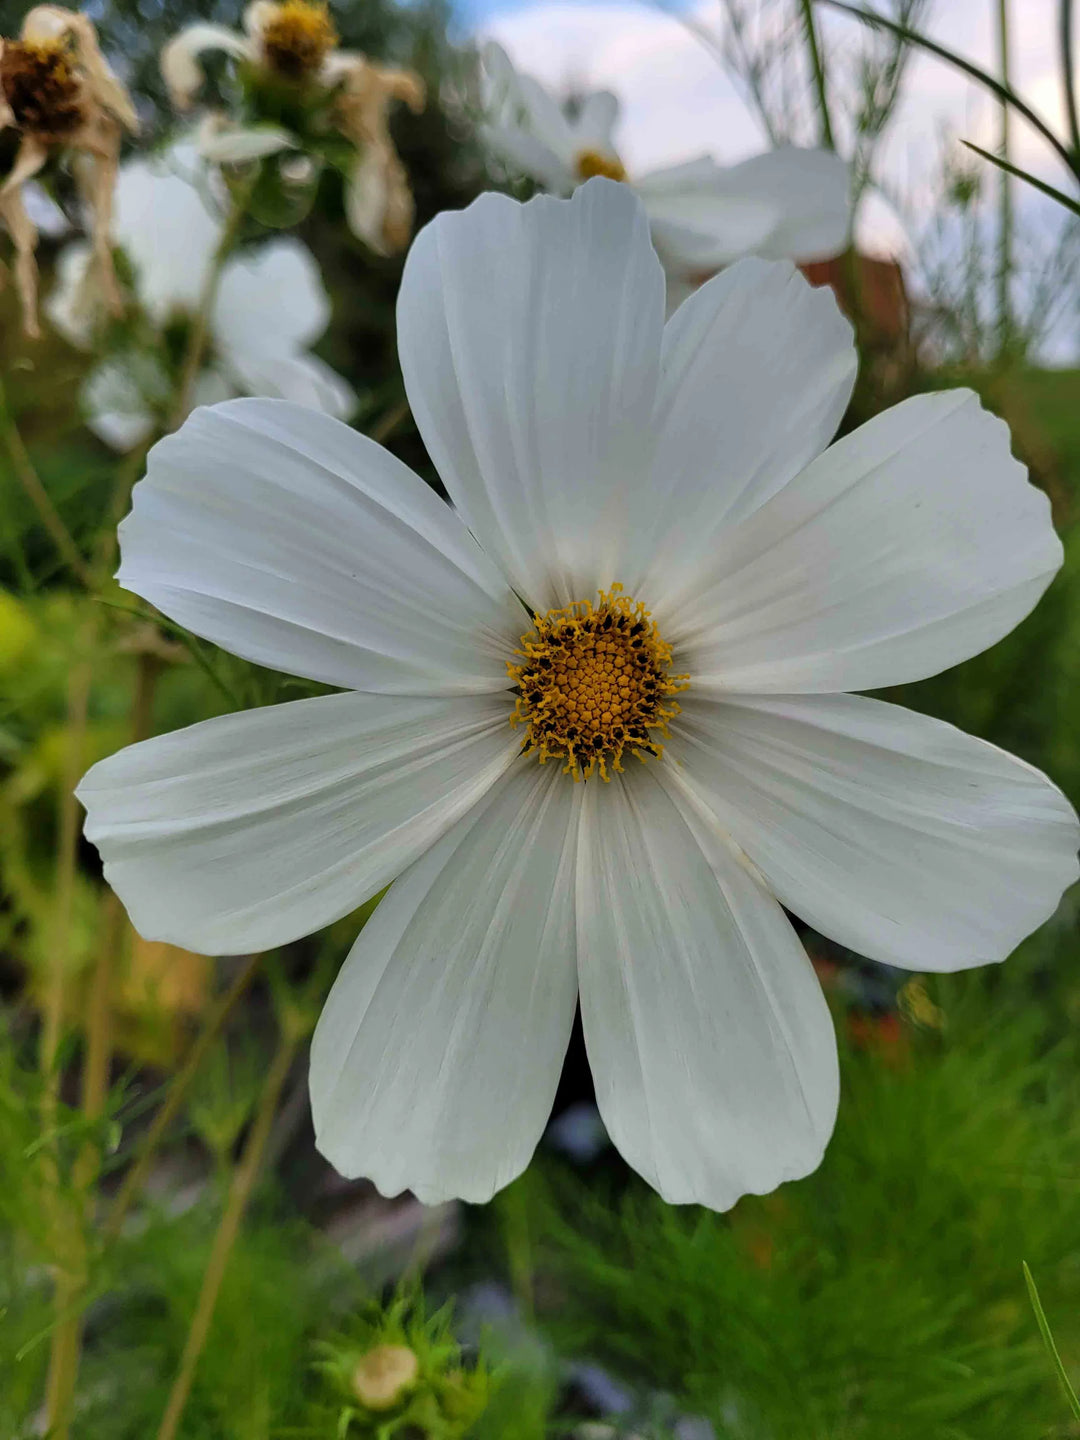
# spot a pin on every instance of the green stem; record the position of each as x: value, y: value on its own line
x: 136, y: 1175
x: 1065, y: 32
x: 1005, y: 208
x: 38, y: 496
x: 818, y: 67
x: 68, y: 1240
x: 200, y: 331
x: 239, y: 1194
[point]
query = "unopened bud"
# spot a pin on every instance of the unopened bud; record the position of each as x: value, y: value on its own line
x: 383, y: 1375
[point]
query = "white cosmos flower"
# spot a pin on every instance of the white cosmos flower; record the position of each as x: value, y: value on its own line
x: 585, y: 444
x: 786, y: 204
x: 269, y: 306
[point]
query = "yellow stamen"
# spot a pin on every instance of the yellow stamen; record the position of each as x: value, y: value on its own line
x: 588, y: 163
x: 297, y: 38
x: 593, y: 682
x: 40, y: 85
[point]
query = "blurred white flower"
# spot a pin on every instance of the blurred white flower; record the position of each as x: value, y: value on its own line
x: 59, y: 93
x: 294, y: 44
x: 787, y: 204
x: 268, y: 307
x: 584, y: 443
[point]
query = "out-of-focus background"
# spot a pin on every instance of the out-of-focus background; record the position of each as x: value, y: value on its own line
x: 883, y: 1297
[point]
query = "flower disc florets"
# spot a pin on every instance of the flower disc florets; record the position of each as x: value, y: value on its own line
x: 590, y: 163
x: 40, y: 85
x: 297, y: 38
x: 594, y: 681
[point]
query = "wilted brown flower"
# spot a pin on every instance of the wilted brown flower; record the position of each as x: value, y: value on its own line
x: 295, y: 42
x: 378, y: 201
x: 58, y: 91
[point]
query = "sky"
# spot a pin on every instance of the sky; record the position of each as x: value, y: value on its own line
x: 678, y: 102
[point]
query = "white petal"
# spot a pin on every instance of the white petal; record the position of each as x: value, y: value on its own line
x: 895, y: 834
x: 119, y: 398
x: 249, y: 830
x: 786, y: 204
x: 910, y: 545
x: 225, y: 145
x: 530, y: 340
x: 814, y: 192
x: 366, y: 194
x: 709, y: 1039
x: 211, y: 387
x: 435, y: 1062
x: 594, y: 127
x: 303, y: 379
x: 43, y: 211
x: 71, y: 306
x: 169, y: 232
x: 520, y: 150
x: 758, y: 368
x: 696, y: 225
x: 521, y: 101
x: 121, y: 430
x: 287, y: 538
x: 180, y: 68
x: 271, y: 299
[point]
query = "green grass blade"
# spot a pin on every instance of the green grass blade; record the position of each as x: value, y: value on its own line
x: 1058, y: 195
x: 1048, y: 1341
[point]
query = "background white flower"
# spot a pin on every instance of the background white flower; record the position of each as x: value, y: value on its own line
x: 786, y: 204
x: 269, y: 306
x: 583, y: 442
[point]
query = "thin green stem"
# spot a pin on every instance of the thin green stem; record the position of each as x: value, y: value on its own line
x: 200, y: 332
x: 1034, y: 119
x: 67, y: 1236
x: 1005, y: 209
x: 236, y: 1204
x: 817, y: 67
x: 388, y: 423
x: 38, y: 496
x: 1033, y: 180
x: 1068, y: 79
x: 136, y: 1175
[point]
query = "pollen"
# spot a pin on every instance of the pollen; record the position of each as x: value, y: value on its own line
x: 594, y: 682
x: 589, y: 163
x: 41, y: 87
x: 297, y: 38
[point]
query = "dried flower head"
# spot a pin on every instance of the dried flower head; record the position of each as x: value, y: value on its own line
x: 58, y: 91
x: 41, y: 87
x: 295, y: 42
x: 295, y: 37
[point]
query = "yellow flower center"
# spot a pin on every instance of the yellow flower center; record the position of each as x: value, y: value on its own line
x: 297, y: 38
x: 41, y: 87
x: 594, y: 681
x: 588, y: 163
